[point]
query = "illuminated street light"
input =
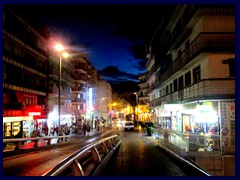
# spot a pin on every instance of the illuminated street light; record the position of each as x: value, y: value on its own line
x: 136, y: 107
x: 60, y: 48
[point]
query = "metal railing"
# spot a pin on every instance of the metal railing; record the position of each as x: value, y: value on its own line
x: 181, y: 148
x: 183, y: 144
x: 15, y: 144
x: 87, y: 161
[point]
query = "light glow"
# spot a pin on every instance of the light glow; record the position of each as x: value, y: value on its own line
x: 65, y: 55
x: 59, y: 47
x: 17, y: 118
x: 34, y: 113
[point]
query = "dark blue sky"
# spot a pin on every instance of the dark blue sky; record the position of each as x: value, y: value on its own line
x: 108, y: 33
x: 113, y: 36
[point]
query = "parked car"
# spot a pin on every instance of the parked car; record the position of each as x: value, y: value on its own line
x: 128, y: 125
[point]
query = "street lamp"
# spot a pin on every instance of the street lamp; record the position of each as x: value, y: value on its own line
x: 60, y: 48
x: 136, y: 106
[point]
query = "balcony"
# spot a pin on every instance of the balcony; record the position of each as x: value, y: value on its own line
x: 82, y: 89
x: 79, y: 100
x: 203, y: 90
x: 80, y: 66
x: 54, y: 92
x: 204, y: 42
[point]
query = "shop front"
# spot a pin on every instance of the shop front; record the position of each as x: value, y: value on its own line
x: 200, y: 125
x: 17, y: 126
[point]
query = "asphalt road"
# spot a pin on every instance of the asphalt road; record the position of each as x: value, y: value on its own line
x: 139, y: 155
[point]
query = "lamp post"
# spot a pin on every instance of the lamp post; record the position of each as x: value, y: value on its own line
x: 59, y: 48
x: 136, y: 106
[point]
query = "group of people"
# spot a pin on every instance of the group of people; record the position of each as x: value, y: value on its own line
x: 60, y: 131
x: 65, y: 129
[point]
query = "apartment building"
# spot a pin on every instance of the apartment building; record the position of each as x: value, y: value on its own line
x: 143, y: 111
x: 191, y: 76
x: 67, y: 115
x: 24, y: 75
x: 103, y: 101
x: 32, y: 80
x: 83, y: 95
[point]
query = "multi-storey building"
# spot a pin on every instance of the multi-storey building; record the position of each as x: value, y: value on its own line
x: 84, y: 87
x: 103, y: 101
x: 66, y: 111
x: 143, y: 111
x: 31, y: 87
x: 192, y: 82
x: 24, y: 76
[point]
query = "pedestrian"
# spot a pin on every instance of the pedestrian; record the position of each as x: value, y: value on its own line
x: 84, y: 128
x: 95, y: 123
x: 61, y: 132
x: 56, y: 129
x: 52, y: 131
x: 66, y: 129
x: 88, y: 127
x: 98, y: 124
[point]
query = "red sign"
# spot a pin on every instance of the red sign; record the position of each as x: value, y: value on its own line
x: 13, y: 113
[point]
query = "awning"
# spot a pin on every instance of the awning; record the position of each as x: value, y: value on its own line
x: 22, y: 96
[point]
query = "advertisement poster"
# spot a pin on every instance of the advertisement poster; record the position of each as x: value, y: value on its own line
x: 227, y: 115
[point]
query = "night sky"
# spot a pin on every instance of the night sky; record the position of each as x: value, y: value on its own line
x: 114, y: 36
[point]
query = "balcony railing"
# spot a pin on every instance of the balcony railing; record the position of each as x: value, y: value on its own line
x: 79, y: 100
x: 79, y: 89
x: 205, y: 89
x: 80, y: 66
x: 204, y: 42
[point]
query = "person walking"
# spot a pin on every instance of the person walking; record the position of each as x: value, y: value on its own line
x: 84, y: 128
x: 66, y: 129
x: 61, y: 132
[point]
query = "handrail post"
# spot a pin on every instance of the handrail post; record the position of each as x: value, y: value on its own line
x: 104, y: 148
x: 36, y: 143
x: 96, y: 156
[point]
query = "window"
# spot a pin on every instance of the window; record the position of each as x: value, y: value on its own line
x: 188, y: 78
x: 175, y: 85
x: 171, y: 89
x: 196, y: 74
x: 231, y: 63
x: 81, y: 106
x: 180, y: 56
x: 180, y: 83
x: 167, y: 90
x: 18, y: 51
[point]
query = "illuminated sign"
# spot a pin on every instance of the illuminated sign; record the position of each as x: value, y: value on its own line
x: 13, y: 113
x: 17, y: 118
x: 90, y: 101
x: 34, y: 113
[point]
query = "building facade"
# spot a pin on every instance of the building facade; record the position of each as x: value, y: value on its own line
x: 144, y: 113
x: 192, y: 81
x: 83, y: 96
x: 25, y: 62
x: 31, y: 80
x: 103, y: 101
x: 67, y: 81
